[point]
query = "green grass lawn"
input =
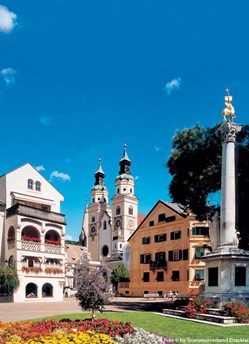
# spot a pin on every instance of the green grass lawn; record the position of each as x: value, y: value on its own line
x: 170, y: 327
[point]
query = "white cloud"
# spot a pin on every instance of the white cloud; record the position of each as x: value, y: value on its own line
x: 137, y: 177
x: 68, y: 237
x: 7, y: 20
x: 8, y: 75
x: 158, y: 149
x: 173, y: 84
x: 40, y: 168
x: 46, y: 121
x: 59, y: 175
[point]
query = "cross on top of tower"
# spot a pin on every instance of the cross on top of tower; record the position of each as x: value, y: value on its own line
x: 227, y: 91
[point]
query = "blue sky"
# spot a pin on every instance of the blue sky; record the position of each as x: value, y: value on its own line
x: 78, y: 77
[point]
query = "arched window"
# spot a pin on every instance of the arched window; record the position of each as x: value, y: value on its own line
x: 31, y: 261
x: 11, y: 234
x: 105, y: 250
x: 47, y: 290
x: 130, y: 210
x: 105, y: 225
x: 93, y: 218
x: 11, y: 262
x: 31, y: 290
x: 30, y: 184
x: 30, y: 233
x: 118, y: 210
x: 38, y: 186
x: 52, y: 237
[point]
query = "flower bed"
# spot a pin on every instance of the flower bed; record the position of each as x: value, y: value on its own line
x: 196, y: 306
x: 102, y: 331
x: 237, y: 309
x: 48, y: 330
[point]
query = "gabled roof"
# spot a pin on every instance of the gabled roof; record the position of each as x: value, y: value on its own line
x: 15, y: 169
x: 74, y: 253
x: 177, y: 208
x: 140, y: 218
x: 114, y: 258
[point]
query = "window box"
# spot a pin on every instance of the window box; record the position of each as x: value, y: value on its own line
x: 52, y: 242
x: 53, y: 271
x: 35, y: 269
x: 10, y: 239
x: 26, y: 238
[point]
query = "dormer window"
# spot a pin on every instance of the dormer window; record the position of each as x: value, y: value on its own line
x: 38, y: 186
x: 30, y: 184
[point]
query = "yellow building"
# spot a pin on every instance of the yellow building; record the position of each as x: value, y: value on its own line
x: 165, y: 252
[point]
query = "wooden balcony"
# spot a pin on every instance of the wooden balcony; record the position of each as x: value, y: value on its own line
x: 20, y: 209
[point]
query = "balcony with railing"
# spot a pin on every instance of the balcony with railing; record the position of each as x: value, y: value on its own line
x: 40, y: 247
x: 158, y: 264
x: 21, y: 209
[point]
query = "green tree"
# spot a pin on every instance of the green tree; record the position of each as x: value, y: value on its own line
x: 9, y: 281
x: 195, y: 166
x: 119, y: 273
x: 93, y: 292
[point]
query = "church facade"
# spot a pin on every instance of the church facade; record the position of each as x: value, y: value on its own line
x: 107, y: 227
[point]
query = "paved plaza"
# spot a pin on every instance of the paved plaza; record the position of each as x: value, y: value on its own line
x: 33, y: 309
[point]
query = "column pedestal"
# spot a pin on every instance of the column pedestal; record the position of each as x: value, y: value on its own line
x: 227, y: 275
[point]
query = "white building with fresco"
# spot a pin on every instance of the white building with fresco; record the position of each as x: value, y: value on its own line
x: 32, y: 232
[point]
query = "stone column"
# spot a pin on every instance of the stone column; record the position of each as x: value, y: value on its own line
x: 228, y: 236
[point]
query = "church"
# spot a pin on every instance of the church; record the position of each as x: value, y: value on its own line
x: 107, y: 226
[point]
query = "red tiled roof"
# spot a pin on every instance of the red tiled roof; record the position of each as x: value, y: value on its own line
x: 140, y: 218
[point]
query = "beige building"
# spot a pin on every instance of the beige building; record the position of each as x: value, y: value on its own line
x: 166, y: 251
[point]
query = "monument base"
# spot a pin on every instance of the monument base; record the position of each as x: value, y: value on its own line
x: 227, y: 275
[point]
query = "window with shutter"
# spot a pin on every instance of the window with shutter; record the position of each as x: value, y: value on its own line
x: 199, y: 252
x: 145, y: 240
x: 185, y: 254
x: 160, y: 276
x: 160, y: 237
x: 146, y: 277
x: 161, y: 217
x: 160, y: 256
x: 200, y: 231
x: 199, y: 274
x: 175, y: 235
x: 175, y: 275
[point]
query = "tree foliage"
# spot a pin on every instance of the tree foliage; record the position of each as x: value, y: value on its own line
x: 93, y: 292
x: 119, y: 272
x: 195, y: 166
x: 9, y: 281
